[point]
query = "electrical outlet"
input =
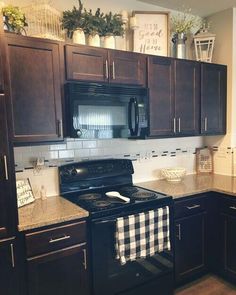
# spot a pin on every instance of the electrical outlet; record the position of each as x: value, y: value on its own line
x: 40, y: 162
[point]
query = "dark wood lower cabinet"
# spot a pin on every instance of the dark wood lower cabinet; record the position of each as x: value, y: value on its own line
x: 62, y: 272
x: 9, y: 284
x: 228, y: 247
x: 190, y: 247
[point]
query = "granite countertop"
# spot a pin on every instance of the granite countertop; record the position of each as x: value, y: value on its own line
x: 53, y: 210
x: 194, y: 184
x: 56, y: 209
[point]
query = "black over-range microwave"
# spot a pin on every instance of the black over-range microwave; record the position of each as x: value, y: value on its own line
x: 106, y: 111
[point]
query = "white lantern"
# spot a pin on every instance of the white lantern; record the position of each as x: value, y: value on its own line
x: 204, y: 45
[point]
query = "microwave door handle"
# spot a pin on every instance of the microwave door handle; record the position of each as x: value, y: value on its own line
x: 136, y: 116
x: 130, y: 119
x: 133, y: 102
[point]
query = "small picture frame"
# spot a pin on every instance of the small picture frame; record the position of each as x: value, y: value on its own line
x: 204, y: 161
x: 151, y: 35
x: 24, y: 192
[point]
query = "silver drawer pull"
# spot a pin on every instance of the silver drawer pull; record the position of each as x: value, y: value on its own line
x: 179, y: 125
x: 65, y: 237
x: 174, y: 125
x: 113, y: 71
x: 107, y: 70
x: 232, y: 207
x: 85, y: 259
x: 12, y: 256
x: 193, y: 207
x: 5, y: 167
x: 205, y: 124
x: 179, y: 232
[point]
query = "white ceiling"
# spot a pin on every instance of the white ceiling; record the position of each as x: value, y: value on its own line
x: 199, y: 7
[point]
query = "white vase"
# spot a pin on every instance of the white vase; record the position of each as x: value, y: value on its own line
x: 79, y: 37
x: 94, y: 40
x: 109, y: 42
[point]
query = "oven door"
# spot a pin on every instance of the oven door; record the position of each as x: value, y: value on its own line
x: 109, y: 276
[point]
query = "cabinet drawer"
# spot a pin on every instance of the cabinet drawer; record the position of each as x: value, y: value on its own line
x: 189, y: 207
x: 55, y: 238
x: 228, y: 206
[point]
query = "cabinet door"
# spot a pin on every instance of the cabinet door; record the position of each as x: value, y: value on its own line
x: 86, y: 63
x: 127, y: 67
x: 229, y: 246
x: 161, y: 103
x: 8, y: 274
x: 7, y: 179
x: 189, y: 247
x: 213, y: 99
x: 187, y: 97
x: 35, y: 88
x: 62, y: 272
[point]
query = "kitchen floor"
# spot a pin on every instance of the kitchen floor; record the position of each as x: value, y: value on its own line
x: 208, y: 285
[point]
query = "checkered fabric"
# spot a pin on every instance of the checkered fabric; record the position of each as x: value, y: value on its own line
x: 142, y: 235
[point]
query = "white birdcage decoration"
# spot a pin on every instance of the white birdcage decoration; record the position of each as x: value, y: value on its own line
x: 43, y: 20
x: 204, y: 45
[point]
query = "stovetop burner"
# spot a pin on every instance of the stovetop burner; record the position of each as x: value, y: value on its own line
x: 101, y: 204
x: 143, y: 195
x: 90, y: 197
x: 129, y: 190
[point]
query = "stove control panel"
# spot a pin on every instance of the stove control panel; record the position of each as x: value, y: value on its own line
x: 95, y: 169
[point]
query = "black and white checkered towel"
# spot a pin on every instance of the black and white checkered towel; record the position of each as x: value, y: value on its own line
x: 142, y: 235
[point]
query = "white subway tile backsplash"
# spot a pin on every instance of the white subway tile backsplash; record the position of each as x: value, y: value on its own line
x: 96, y: 152
x: 82, y: 153
x: 57, y: 147
x: 50, y: 155
x: 66, y: 154
x: 40, y: 148
x: 74, y: 145
x: 89, y: 144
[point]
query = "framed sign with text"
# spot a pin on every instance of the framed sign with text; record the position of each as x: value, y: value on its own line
x: 204, y: 160
x: 151, y: 36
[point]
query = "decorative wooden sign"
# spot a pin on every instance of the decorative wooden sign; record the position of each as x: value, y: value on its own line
x: 151, y: 35
x: 24, y: 192
x: 204, y: 160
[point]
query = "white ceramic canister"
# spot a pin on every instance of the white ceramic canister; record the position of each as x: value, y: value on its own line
x: 109, y: 42
x: 79, y: 37
x: 94, y: 40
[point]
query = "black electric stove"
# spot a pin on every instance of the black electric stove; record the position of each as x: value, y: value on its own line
x: 86, y: 184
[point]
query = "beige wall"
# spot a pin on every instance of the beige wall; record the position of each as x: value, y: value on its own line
x: 223, y: 24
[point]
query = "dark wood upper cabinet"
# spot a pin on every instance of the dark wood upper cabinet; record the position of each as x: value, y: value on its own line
x: 127, y: 67
x: 213, y: 99
x: 7, y: 178
x: 94, y: 64
x: 9, y: 284
x: 174, y: 93
x: 35, y: 89
x: 86, y: 63
x: 187, y: 97
x: 161, y: 99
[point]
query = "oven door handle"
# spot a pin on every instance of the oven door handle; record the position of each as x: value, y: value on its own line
x: 133, y: 102
x: 105, y: 221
